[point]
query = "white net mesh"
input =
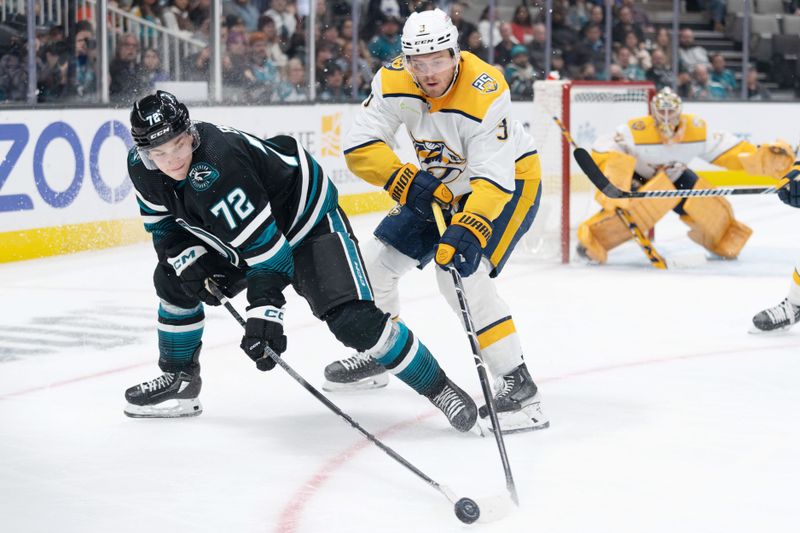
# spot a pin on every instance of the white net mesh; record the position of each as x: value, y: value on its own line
x: 588, y: 111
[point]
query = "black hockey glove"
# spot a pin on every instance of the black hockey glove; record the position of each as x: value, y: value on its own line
x: 194, y: 264
x: 790, y: 194
x: 264, y: 328
x: 417, y: 189
x: 463, y: 242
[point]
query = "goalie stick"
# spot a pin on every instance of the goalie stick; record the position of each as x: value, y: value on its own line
x: 655, y: 258
x: 489, y: 508
x: 605, y: 186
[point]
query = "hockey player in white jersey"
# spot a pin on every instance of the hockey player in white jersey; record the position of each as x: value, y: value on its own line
x: 475, y: 160
x: 653, y: 152
x: 786, y: 313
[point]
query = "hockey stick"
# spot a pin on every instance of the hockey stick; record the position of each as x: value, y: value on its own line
x: 655, y: 258
x: 600, y: 181
x: 468, y: 510
x: 480, y: 365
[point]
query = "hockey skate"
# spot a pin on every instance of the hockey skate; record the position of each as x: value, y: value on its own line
x: 358, y: 372
x: 781, y: 316
x: 170, y: 395
x: 518, y: 403
x: 457, y: 406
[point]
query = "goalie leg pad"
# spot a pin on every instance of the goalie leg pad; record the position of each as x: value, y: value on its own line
x: 602, y: 232
x: 713, y: 226
x: 647, y: 212
x: 618, y: 168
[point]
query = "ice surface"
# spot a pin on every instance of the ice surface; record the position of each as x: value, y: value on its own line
x: 666, y: 414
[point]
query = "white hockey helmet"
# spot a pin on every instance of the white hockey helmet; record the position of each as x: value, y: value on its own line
x: 666, y: 107
x: 428, y: 32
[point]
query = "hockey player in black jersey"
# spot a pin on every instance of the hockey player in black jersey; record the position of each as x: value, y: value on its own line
x: 256, y: 214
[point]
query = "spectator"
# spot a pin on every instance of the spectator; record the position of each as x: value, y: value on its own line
x: 663, y: 42
x: 587, y: 72
x: 624, y: 25
x: 334, y: 89
x: 537, y: 48
x: 127, y: 79
x: 660, y: 73
x: 591, y: 49
x: 639, y: 16
x: 564, y: 37
x: 285, y: 22
x: 703, y: 88
x: 684, y: 85
x: 363, y: 68
x: 487, y: 30
x: 475, y: 45
x: 378, y: 10
x: 558, y: 68
x: 236, y: 64
x: 386, y: 45
x: 294, y: 87
x: 522, y: 25
x: 502, y: 52
x: 326, y: 52
x: 630, y: 71
x: 266, y: 26
x: 151, y: 66
x: 577, y: 15
x: 520, y: 74
x: 690, y: 54
x: 756, y: 91
x: 82, y: 71
x: 176, y: 16
x: 244, y: 10
x: 149, y: 10
x: 722, y: 75
x: 615, y: 73
x: 639, y: 55
x: 52, y: 75
x: 464, y: 27
x: 200, y: 14
x: 346, y: 34
x: 596, y: 16
x: 262, y: 74
x: 717, y: 9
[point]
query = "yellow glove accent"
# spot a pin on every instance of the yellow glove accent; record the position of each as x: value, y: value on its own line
x: 475, y: 224
x: 772, y: 160
x: 444, y: 254
x: 400, y: 182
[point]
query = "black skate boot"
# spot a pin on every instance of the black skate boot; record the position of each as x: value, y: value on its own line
x: 781, y: 316
x: 456, y: 404
x: 359, y: 372
x: 517, y: 402
x: 170, y: 395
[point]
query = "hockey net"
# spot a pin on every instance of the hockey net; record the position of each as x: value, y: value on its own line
x: 588, y: 110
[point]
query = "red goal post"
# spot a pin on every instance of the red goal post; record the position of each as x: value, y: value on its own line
x: 587, y: 109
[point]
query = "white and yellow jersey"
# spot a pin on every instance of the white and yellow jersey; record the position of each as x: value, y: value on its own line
x: 641, y: 139
x: 466, y: 138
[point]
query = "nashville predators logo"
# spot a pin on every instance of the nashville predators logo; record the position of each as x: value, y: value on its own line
x: 485, y: 84
x: 396, y: 64
x: 440, y: 160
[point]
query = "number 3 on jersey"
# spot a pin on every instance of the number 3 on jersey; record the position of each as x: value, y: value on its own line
x: 235, y: 203
x: 502, y: 130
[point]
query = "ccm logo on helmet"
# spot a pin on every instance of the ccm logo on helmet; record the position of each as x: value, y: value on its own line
x: 159, y: 133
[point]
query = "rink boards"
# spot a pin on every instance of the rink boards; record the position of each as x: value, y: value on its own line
x: 64, y: 186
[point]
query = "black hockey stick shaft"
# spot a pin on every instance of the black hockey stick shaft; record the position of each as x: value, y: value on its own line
x: 268, y: 352
x: 605, y: 186
x: 646, y: 245
x: 480, y: 365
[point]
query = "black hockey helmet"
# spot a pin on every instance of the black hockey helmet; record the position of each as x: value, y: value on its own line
x: 158, y: 118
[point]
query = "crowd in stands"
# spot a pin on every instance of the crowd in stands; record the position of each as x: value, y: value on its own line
x: 265, y: 50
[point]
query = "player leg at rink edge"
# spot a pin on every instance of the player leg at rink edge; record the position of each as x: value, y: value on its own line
x: 786, y: 313
x: 343, y: 300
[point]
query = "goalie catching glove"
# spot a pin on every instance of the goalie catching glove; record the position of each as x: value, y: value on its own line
x: 195, y: 264
x: 790, y: 194
x: 772, y: 160
x: 463, y: 242
x: 416, y: 189
x: 264, y: 328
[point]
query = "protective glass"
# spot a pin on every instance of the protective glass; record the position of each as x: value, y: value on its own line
x: 163, y: 152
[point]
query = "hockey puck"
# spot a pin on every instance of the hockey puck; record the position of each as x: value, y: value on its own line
x: 467, y: 510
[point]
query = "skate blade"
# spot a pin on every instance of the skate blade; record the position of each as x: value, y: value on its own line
x: 372, y: 382
x: 167, y: 409
x: 528, y: 418
x: 783, y: 330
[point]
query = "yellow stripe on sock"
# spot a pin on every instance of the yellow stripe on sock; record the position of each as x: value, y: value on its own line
x: 496, y: 333
x: 796, y: 277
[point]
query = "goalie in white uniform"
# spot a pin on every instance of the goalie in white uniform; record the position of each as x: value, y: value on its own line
x: 653, y: 152
x: 786, y: 313
x: 475, y: 160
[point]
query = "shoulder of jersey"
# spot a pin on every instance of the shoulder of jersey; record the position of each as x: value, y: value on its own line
x: 695, y: 128
x: 643, y: 130
x: 479, y: 85
x: 396, y: 81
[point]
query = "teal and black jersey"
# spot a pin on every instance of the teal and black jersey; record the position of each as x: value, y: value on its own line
x: 251, y: 200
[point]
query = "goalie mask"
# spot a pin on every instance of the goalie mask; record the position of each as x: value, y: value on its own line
x: 157, y: 119
x: 426, y: 34
x: 666, y: 110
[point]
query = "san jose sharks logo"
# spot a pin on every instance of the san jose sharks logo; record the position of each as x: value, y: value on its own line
x: 440, y: 160
x: 202, y: 176
x: 133, y: 157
